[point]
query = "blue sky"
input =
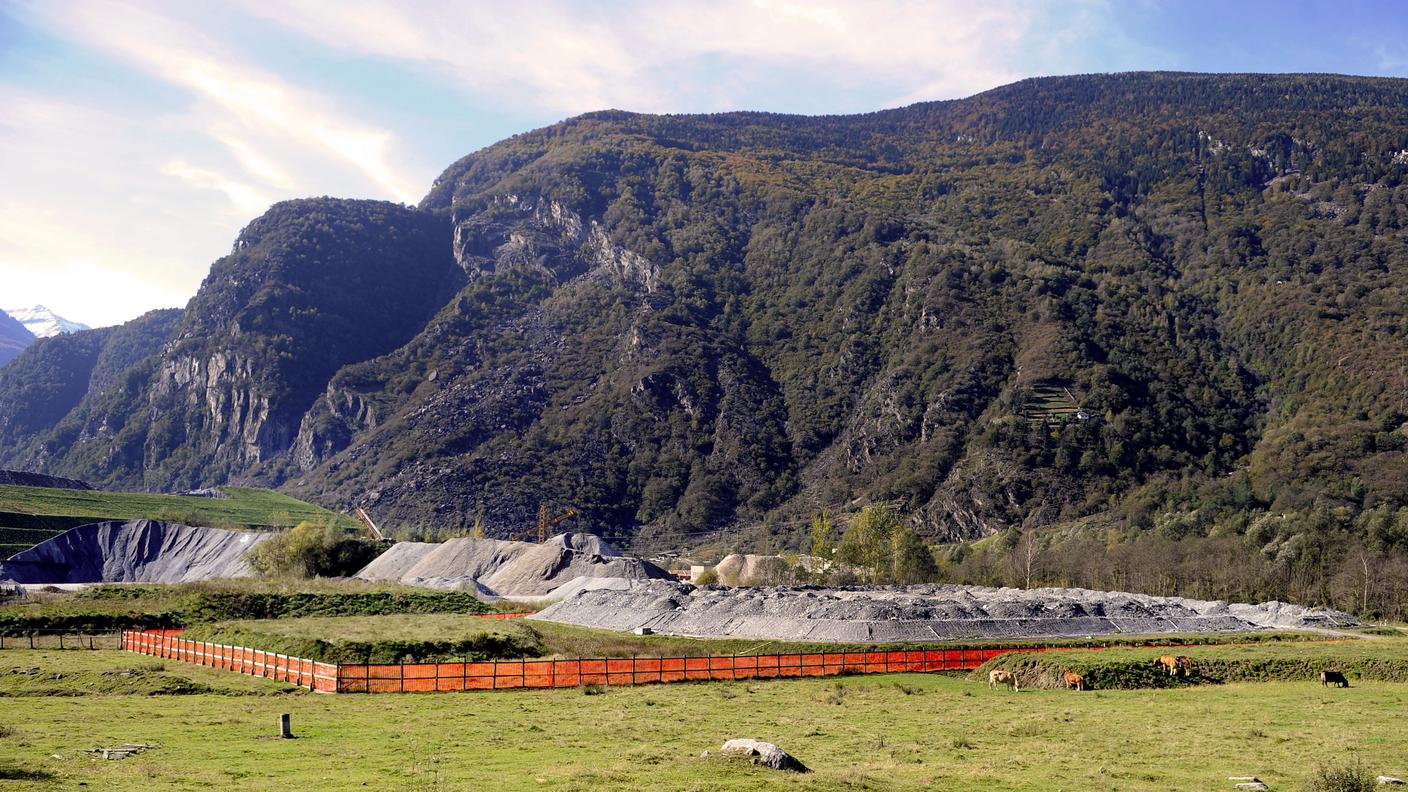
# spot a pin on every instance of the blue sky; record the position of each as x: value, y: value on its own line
x: 137, y: 138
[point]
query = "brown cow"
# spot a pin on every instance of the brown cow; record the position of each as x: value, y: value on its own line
x: 1169, y: 663
x: 1073, y: 680
x: 1185, y: 665
x: 999, y: 677
x: 1328, y: 678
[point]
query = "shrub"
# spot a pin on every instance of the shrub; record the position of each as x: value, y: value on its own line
x: 311, y: 550
x: 1341, y: 778
x: 708, y: 577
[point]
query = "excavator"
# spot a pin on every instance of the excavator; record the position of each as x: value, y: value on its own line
x: 545, y: 524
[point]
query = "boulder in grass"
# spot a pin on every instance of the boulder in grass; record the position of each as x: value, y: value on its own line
x: 763, y: 753
x: 1390, y: 781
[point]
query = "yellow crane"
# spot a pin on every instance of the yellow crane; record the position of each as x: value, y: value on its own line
x: 545, y: 523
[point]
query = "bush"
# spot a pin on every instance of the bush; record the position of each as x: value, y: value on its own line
x: 708, y: 577
x: 1342, y: 778
x: 312, y: 550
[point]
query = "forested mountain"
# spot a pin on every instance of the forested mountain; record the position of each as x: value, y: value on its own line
x: 1148, y: 304
x: 14, y: 337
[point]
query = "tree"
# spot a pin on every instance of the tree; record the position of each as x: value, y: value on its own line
x: 311, y: 550
x: 821, y: 546
x: 911, y: 559
x: 866, y: 542
x: 889, y: 550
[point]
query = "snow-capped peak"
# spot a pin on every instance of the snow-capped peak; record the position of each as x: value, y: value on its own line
x: 43, y: 322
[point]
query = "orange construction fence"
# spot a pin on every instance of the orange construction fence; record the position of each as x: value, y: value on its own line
x: 169, y: 644
x: 517, y: 674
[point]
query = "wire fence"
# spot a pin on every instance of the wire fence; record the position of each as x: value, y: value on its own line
x: 59, y: 639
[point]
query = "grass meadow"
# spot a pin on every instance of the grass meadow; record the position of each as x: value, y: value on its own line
x: 882, y: 732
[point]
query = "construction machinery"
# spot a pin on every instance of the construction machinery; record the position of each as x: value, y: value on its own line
x: 371, y: 526
x: 545, y: 524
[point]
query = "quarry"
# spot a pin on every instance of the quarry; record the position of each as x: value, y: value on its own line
x: 924, y: 613
x: 592, y: 584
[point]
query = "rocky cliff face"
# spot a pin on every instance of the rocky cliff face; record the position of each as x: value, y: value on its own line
x: 1035, y: 305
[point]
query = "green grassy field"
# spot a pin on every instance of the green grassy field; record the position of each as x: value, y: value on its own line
x: 895, y: 732
x: 393, y: 638
x: 27, y: 674
x: 245, y: 508
x: 114, y: 606
x: 1383, y: 659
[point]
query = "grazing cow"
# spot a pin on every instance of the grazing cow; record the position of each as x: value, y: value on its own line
x: 999, y: 677
x: 1169, y: 663
x: 1328, y: 678
x: 1185, y: 665
x: 1073, y: 680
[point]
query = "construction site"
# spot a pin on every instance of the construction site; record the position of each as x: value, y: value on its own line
x: 138, y: 610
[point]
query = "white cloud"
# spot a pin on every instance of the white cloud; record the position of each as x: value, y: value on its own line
x: 279, y: 122
x: 245, y: 198
x: 86, y: 226
x: 571, y: 58
x: 105, y: 213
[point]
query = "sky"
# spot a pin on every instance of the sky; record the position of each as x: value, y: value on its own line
x: 138, y: 138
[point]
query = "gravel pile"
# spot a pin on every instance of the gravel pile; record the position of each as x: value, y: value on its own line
x: 498, y: 568
x: 139, y: 551
x: 917, y: 613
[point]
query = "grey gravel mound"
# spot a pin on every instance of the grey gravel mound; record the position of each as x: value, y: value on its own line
x: 917, y: 613
x: 139, y: 551
x: 494, y: 567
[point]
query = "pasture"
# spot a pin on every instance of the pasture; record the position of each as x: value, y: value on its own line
x: 903, y: 731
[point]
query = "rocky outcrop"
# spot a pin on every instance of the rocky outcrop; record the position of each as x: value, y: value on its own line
x: 762, y: 753
x: 536, y: 233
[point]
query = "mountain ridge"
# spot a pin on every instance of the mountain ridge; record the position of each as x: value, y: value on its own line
x: 44, y: 323
x: 14, y: 337
x: 682, y: 325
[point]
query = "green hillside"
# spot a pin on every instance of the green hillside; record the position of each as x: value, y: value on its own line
x: 29, y: 515
x: 710, y: 327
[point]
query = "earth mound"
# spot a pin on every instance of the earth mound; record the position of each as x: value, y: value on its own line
x: 898, y: 614
x: 496, y: 567
x: 138, y: 551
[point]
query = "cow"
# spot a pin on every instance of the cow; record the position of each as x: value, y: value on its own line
x: 1185, y: 665
x: 1073, y: 680
x: 1169, y: 663
x: 999, y: 677
x: 1328, y: 678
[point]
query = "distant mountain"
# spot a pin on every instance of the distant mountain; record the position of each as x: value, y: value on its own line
x: 14, y: 337
x: 1155, y: 302
x: 44, y: 323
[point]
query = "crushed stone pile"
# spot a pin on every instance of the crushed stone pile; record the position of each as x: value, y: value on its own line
x: 138, y: 551
x: 917, y: 613
x: 500, y: 568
